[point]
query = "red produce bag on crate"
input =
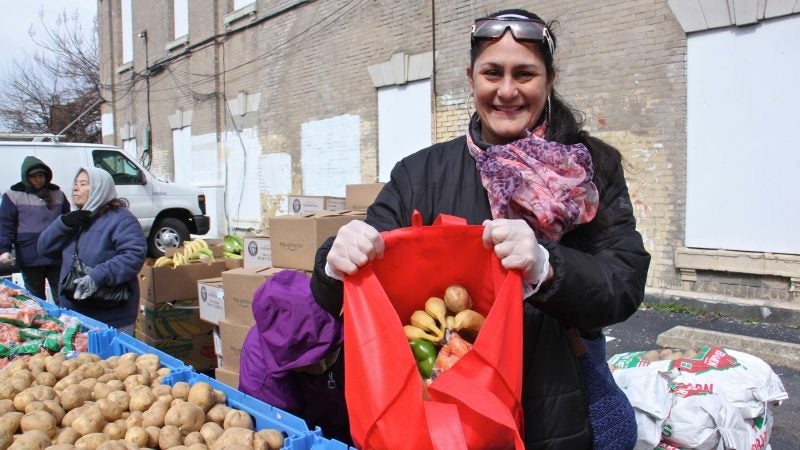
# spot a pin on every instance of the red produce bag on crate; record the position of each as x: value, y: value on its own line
x: 473, y: 405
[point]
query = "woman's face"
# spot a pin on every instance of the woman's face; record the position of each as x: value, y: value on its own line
x: 37, y: 180
x: 510, y: 84
x: 80, y: 191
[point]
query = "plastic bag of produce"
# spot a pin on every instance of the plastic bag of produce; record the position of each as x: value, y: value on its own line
x: 475, y: 403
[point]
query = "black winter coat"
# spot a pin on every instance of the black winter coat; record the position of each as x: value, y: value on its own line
x: 600, y: 269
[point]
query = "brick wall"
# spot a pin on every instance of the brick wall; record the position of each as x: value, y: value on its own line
x: 622, y: 63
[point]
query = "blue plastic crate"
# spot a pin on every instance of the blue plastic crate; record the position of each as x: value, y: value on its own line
x: 314, y: 440
x: 107, y: 344
x: 264, y: 415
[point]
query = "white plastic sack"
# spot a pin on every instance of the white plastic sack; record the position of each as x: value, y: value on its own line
x: 649, y: 394
x: 743, y: 380
x: 703, y: 420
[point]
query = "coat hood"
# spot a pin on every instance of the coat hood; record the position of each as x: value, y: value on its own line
x: 30, y: 163
x: 101, y: 188
x: 293, y: 331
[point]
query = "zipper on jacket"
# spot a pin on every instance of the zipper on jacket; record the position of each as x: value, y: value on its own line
x: 331, y: 381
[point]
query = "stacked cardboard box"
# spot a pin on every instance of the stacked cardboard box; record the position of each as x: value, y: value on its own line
x: 239, y: 286
x: 358, y: 197
x: 294, y: 241
x: 296, y: 238
x: 169, y: 317
x: 257, y: 252
x: 305, y: 204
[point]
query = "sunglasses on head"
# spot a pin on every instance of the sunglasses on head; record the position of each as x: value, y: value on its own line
x: 523, y: 29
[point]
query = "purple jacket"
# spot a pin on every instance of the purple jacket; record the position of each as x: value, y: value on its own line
x: 292, y: 331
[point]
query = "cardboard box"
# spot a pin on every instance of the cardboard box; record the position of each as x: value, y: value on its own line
x: 240, y: 285
x: 197, y: 351
x: 217, y: 343
x: 211, y: 298
x: 227, y: 377
x: 165, y: 284
x: 232, y: 336
x: 358, y: 197
x: 305, y: 204
x: 178, y: 319
x: 295, y: 239
x: 257, y: 252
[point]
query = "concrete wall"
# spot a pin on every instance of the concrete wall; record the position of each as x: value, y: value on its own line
x: 268, y: 87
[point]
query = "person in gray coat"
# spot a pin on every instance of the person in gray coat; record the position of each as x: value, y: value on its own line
x: 27, y: 208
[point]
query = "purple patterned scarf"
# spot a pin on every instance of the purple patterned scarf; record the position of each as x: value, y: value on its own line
x: 544, y: 182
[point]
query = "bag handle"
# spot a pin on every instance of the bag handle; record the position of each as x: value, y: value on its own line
x: 442, y: 219
x: 77, y: 239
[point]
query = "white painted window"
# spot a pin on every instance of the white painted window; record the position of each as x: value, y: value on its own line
x: 742, y: 156
x: 242, y: 196
x: 239, y: 4
x: 127, y: 31
x: 107, y: 124
x: 180, y: 14
x: 182, y: 155
x: 404, y: 123
x: 276, y: 179
x: 331, y: 155
x: 129, y: 146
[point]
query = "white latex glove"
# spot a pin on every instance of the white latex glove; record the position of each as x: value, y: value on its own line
x: 6, y: 258
x: 355, y: 244
x: 515, y: 244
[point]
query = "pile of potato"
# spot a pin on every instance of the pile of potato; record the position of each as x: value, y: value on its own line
x: 48, y: 401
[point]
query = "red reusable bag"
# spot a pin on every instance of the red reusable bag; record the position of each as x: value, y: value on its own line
x: 473, y: 405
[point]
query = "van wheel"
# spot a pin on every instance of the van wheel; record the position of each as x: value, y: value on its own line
x: 169, y: 232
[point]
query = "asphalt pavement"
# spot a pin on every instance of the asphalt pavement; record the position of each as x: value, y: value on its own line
x: 654, y: 327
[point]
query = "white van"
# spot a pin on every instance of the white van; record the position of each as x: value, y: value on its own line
x: 167, y: 212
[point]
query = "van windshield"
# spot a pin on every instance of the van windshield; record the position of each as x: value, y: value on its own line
x: 122, y: 170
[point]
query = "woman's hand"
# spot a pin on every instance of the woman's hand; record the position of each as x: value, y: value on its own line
x: 355, y: 244
x: 6, y: 258
x: 85, y: 286
x: 515, y: 244
x: 79, y: 218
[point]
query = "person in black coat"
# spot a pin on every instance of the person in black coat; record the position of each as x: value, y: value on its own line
x: 555, y: 206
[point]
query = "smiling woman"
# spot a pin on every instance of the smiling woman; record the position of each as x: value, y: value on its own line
x: 554, y: 205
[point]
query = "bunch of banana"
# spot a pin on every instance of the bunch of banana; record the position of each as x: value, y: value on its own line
x: 196, y: 250
x: 164, y: 261
x: 428, y: 324
x: 179, y: 260
x: 433, y: 323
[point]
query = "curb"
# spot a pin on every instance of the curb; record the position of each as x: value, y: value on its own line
x: 776, y: 353
x: 739, y: 308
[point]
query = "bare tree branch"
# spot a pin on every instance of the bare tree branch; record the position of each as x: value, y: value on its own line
x: 47, y: 91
